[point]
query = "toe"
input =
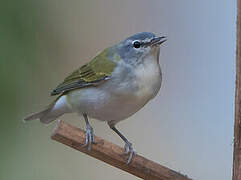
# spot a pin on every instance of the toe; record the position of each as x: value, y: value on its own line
x: 89, y: 137
x: 130, y: 157
x: 89, y: 142
x: 129, y: 150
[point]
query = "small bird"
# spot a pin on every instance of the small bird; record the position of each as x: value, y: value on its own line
x: 114, y: 85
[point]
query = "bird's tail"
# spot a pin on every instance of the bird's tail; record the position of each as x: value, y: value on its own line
x: 52, y: 112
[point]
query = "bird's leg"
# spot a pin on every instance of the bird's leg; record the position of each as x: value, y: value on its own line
x: 128, y: 145
x: 89, y: 135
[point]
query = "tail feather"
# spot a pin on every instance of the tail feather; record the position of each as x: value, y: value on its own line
x: 52, y: 112
x: 37, y: 115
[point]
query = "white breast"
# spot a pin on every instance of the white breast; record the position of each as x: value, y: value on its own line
x: 148, y: 78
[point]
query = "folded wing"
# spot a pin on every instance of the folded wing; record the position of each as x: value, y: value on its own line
x: 93, y: 73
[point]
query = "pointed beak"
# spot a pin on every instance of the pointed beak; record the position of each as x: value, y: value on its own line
x: 158, y: 41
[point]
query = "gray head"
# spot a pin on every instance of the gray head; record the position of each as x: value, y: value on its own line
x: 135, y: 48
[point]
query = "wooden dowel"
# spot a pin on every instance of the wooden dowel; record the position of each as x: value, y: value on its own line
x: 237, y: 124
x: 113, y: 154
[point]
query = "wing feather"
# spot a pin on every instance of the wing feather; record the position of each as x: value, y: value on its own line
x: 93, y: 73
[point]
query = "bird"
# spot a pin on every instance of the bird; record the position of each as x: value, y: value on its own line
x: 111, y: 87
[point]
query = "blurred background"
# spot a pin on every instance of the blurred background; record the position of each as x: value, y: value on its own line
x: 187, y: 127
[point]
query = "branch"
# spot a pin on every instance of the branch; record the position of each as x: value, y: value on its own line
x: 237, y: 123
x: 113, y: 154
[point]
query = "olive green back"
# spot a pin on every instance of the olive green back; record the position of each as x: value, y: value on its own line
x: 92, y: 73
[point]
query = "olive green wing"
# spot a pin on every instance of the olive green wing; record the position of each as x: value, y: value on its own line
x: 95, y: 72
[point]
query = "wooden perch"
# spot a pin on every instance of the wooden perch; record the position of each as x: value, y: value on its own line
x: 113, y: 154
x: 237, y: 124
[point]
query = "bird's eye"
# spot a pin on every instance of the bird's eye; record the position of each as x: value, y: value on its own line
x: 136, y: 44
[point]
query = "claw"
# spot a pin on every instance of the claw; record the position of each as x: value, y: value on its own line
x: 89, y: 137
x: 129, y: 150
x: 128, y: 145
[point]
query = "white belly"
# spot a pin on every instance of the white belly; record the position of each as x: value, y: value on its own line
x: 115, y: 101
x: 104, y: 105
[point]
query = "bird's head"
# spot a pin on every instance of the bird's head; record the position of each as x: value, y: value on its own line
x: 135, y: 48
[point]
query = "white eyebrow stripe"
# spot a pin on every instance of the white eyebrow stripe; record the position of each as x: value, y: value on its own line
x: 147, y: 40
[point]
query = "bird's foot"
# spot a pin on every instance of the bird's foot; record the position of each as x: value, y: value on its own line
x: 89, y: 137
x: 129, y: 150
